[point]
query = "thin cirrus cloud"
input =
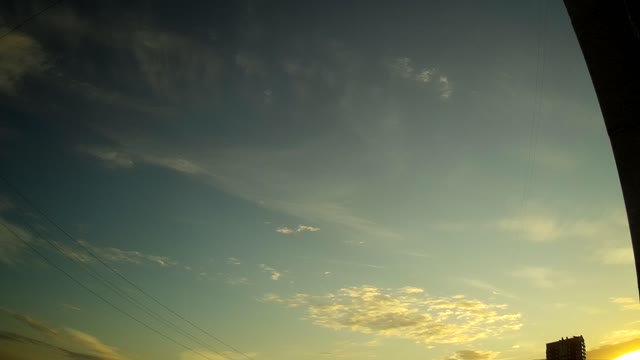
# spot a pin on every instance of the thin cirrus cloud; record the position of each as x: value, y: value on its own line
x: 394, y: 313
x: 114, y: 255
x: 11, y: 248
x: 626, y: 303
x: 93, y: 347
x: 274, y: 274
x: 404, y: 68
x: 542, y: 277
x: 285, y: 230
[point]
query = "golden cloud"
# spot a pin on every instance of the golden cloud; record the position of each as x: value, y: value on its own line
x: 410, y: 315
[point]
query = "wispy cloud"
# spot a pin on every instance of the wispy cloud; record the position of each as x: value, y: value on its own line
x: 11, y: 248
x: 93, y: 344
x: 275, y: 274
x: 123, y: 159
x: 110, y: 157
x: 96, y: 349
x: 542, y: 277
x: 285, y: 230
x: 233, y: 261
x: 404, y: 68
x: 617, y: 255
x: 34, y: 324
x: 396, y: 314
x: 473, y: 355
x: 42, y: 345
x: 626, y: 303
x: 482, y: 285
x: 411, y: 290
x: 21, y: 56
x: 542, y: 227
x: 534, y: 228
x: 445, y: 87
x: 114, y: 255
x: 71, y: 307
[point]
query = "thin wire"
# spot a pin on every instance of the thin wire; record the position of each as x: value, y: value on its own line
x: 104, y: 263
x: 537, y: 108
x: 79, y: 283
x: 113, y: 287
x: 33, y: 16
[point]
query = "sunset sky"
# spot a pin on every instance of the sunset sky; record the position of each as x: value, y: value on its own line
x: 306, y: 180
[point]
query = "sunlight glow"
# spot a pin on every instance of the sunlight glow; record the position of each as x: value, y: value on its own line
x: 630, y: 356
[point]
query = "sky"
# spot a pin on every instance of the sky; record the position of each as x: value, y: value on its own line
x: 306, y: 180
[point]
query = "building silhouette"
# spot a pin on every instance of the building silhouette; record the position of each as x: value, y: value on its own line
x: 567, y: 349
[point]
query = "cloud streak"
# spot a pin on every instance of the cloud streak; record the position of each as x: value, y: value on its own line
x: 408, y: 315
x: 285, y: 230
x: 95, y: 349
x: 114, y: 255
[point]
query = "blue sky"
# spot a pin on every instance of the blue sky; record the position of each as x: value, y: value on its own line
x: 308, y: 181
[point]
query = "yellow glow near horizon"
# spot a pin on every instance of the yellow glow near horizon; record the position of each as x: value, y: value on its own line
x: 630, y: 356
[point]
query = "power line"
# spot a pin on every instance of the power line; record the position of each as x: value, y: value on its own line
x: 123, y: 294
x: 104, y: 263
x: 79, y: 283
x: 31, y: 17
x: 537, y: 106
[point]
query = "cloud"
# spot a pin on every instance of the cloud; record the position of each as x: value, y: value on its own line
x: 176, y: 67
x: 626, y: 303
x: 32, y: 323
x: 541, y: 277
x: 395, y: 314
x: 96, y: 349
x: 233, y: 261
x: 275, y: 274
x: 617, y: 255
x: 68, y: 354
x: 110, y: 157
x: 303, y: 228
x: 114, y: 255
x: 445, y: 87
x: 71, y: 307
x: 473, y: 355
x: 123, y: 159
x: 11, y: 248
x: 411, y: 290
x: 535, y: 228
x: 403, y: 67
x: 482, y: 285
x: 21, y: 56
x: 541, y: 228
x: 93, y: 344
x: 285, y: 230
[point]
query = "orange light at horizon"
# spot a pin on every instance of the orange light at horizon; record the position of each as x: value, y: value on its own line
x: 630, y: 356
